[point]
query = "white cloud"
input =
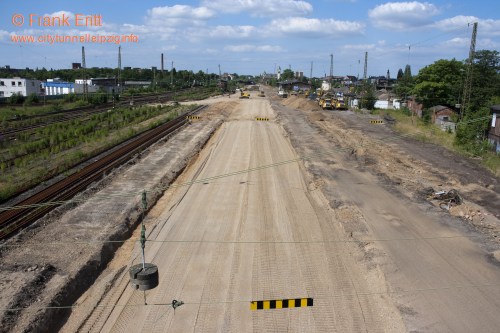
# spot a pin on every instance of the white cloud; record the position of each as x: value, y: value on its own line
x: 316, y: 27
x: 403, y: 15
x: 261, y: 8
x: 226, y: 31
x: 487, y: 44
x: 186, y: 23
x: 181, y: 11
x: 170, y: 47
x: 163, y: 32
x: 457, y: 42
x: 4, y: 35
x: 210, y: 51
x: 454, y: 23
x: 253, y: 48
x: 488, y: 27
x: 171, y: 22
x: 61, y: 14
x: 359, y: 47
x: 177, y: 16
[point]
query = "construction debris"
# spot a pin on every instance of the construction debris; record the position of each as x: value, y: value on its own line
x: 446, y: 199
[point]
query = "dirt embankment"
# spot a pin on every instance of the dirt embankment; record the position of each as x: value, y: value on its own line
x: 53, y: 262
x: 378, y: 185
x: 414, y: 168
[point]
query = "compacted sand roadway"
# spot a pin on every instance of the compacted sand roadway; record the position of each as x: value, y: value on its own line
x: 266, y: 234
x: 259, y: 223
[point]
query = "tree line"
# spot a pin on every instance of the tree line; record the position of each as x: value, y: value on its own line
x: 442, y: 83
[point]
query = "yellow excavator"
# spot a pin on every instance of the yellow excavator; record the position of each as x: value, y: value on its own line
x: 244, y: 95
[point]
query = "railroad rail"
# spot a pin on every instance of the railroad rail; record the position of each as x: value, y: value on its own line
x: 66, y: 115
x: 33, y: 207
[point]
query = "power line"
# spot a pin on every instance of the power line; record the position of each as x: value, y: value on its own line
x: 250, y: 242
x: 234, y: 173
x: 318, y: 297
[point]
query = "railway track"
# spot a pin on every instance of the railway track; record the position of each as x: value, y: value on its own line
x: 77, y: 113
x: 36, y: 206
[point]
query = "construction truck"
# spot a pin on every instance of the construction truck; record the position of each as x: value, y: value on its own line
x: 338, y: 104
x: 326, y: 104
x: 244, y: 95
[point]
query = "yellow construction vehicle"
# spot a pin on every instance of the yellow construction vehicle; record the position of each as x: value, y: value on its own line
x: 245, y: 95
x: 326, y: 104
x: 338, y: 104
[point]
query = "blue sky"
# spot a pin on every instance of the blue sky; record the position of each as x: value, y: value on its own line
x: 256, y: 36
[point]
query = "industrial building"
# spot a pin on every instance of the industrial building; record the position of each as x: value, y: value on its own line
x: 57, y: 87
x: 17, y: 85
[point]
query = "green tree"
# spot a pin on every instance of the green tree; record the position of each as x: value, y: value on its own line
x: 440, y: 83
x: 400, y: 75
x: 368, y: 97
x: 287, y: 74
x: 485, y: 78
x: 405, y: 83
x: 407, y: 73
x: 471, y: 132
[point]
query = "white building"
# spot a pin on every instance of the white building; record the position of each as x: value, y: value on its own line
x: 16, y: 85
x: 381, y: 104
x: 81, y: 81
x: 325, y: 85
x: 57, y: 87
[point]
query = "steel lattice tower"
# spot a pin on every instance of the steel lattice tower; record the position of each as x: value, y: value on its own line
x: 468, y: 75
x: 84, y: 66
x: 366, y: 66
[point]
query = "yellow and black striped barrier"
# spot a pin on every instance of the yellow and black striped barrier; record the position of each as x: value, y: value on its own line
x: 193, y: 117
x: 376, y: 121
x: 281, y: 304
x: 262, y: 119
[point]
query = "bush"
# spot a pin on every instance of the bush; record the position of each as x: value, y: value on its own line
x: 71, y: 97
x: 471, y: 132
x: 99, y: 98
x: 57, y: 106
x: 16, y: 99
x: 32, y: 98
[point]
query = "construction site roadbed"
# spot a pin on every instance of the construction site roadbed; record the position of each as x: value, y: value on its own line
x: 440, y: 258
x: 46, y: 267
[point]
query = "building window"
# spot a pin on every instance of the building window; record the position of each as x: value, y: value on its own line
x: 13, y: 83
x: 19, y: 83
x: 1, y: 83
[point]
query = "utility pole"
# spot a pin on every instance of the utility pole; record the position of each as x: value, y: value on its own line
x: 331, y: 71
x: 468, y: 75
x: 154, y: 78
x: 162, y: 66
x: 119, y: 85
x: 84, y: 66
x: 172, y: 73
x: 366, y: 66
